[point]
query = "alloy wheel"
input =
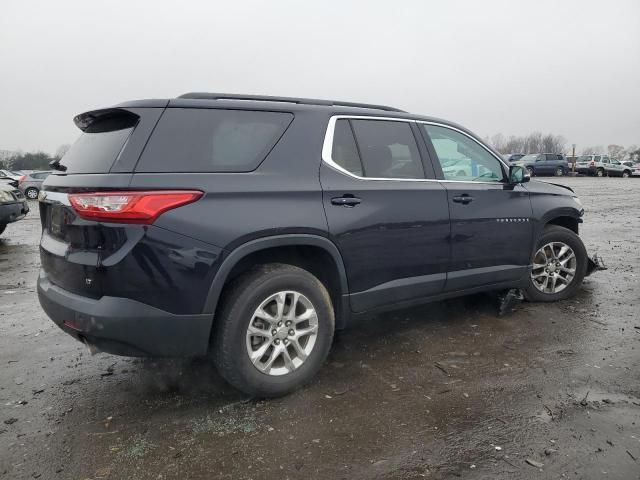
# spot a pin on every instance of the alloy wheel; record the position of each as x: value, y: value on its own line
x: 554, y: 267
x: 282, y: 333
x: 32, y: 193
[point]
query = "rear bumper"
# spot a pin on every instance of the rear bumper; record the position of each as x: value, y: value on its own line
x: 12, y: 212
x: 122, y: 326
x: 586, y: 170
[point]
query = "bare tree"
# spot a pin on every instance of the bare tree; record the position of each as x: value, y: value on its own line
x: 499, y: 143
x: 599, y: 150
x: 533, y: 143
x: 514, y: 144
x: 616, y: 151
x: 553, y: 143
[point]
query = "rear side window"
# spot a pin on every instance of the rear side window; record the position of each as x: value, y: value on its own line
x: 388, y: 149
x: 99, y: 145
x: 212, y: 140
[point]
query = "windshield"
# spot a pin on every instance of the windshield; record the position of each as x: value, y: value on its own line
x: 529, y: 158
x: 584, y: 158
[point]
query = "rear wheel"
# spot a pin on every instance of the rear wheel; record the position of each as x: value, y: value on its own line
x: 2, y: 227
x: 31, y: 193
x: 274, y: 330
x: 600, y: 172
x: 559, y: 265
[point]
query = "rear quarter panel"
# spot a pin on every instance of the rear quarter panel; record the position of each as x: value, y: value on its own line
x: 282, y: 195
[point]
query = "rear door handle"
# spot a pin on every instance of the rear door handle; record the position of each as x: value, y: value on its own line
x: 346, y: 201
x: 464, y: 199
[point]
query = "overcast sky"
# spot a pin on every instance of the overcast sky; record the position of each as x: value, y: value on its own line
x: 565, y: 67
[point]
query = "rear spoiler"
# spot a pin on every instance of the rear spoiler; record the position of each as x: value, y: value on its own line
x: 121, y: 117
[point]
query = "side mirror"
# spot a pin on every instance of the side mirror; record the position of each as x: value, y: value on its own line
x: 517, y: 174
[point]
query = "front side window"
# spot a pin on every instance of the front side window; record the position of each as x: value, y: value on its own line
x: 462, y: 158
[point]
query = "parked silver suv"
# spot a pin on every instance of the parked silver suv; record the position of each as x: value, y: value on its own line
x: 31, y: 183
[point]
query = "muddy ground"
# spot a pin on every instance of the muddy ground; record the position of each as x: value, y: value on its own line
x: 449, y: 390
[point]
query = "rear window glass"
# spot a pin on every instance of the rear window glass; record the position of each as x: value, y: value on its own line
x: 212, y: 140
x: 99, y: 145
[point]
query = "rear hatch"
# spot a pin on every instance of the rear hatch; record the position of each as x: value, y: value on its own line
x: 74, y: 250
x: 137, y: 160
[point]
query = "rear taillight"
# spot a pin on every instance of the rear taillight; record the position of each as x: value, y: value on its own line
x: 592, y: 164
x: 142, y: 207
x: 21, y: 179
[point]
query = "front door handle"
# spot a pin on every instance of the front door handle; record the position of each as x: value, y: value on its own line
x: 464, y: 199
x: 346, y: 201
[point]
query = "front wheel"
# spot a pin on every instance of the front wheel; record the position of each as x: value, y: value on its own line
x: 600, y: 172
x: 559, y: 172
x: 530, y: 170
x: 2, y: 227
x: 559, y: 265
x: 626, y: 174
x: 274, y: 330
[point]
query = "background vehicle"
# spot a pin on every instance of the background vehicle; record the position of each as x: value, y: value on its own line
x: 614, y: 168
x: 544, y: 164
x: 593, y: 164
x: 513, y: 157
x: 13, y: 206
x: 11, y: 176
x: 635, y: 170
x: 145, y: 255
x: 31, y: 183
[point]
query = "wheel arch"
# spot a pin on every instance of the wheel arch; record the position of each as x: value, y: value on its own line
x: 567, y: 221
x: 311, y: 252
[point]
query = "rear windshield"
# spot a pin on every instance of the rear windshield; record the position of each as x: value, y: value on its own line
x: 212, y: 140
x: 99, y: 145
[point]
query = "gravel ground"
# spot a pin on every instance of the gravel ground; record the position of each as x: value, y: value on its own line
x: 448, y: 390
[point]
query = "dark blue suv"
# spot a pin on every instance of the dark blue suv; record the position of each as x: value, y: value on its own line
x: 251, y: 228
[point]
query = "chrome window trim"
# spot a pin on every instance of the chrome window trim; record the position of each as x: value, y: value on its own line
x: 327, y: 148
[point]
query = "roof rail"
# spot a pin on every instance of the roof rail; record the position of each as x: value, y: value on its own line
x: 269, y: 98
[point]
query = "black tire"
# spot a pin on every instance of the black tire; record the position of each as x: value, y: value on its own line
x: 31, y: 193
x: 2, y: 227
x: 559, y: 172
x: 241, y: 299
x: 600, y: 172
x: 555, y: 233
x: 531, y: 172
x: 626, y: 174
